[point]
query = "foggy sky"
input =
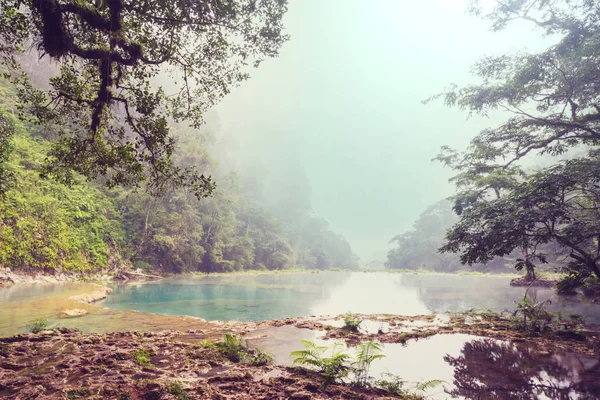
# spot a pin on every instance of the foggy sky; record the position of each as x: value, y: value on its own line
x: 343, y: 103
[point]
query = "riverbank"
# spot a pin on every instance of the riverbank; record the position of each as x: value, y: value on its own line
x: 183, y: 364
x: 68, y: 364
x: 9, y: 277
x: 34, y: 361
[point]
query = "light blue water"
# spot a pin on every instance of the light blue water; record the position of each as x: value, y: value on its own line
x: 264, y: 297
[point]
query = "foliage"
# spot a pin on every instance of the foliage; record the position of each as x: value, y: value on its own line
x: 237, y: 350
x: 552, y: 97
x: 368, y: 351
x: 142, y: 356
x: 86, y: 227
x: 393, y: 384
x: 556, y: 205
x: 535, y: 317
x: 232, y: 347
x: 6, y: 134
x: 418, y: 247
x: 111, y: 121
x: 351, y: 322
x: 176, y: 390
x: 49, y: 226
x: 333, y: 369
x: 37, y: 325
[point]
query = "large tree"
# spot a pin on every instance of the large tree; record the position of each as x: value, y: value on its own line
x: 109, y: 101
x: 553, y: 97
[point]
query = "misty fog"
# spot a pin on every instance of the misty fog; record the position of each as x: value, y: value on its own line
x: 338, y: 116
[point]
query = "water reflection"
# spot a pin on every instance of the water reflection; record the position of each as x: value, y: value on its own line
x: 242, y: 298
x: 268, y: 296
x: 473, y: 367
x: 440, y: 294
x: 493, y: 369
x: 263, y: 297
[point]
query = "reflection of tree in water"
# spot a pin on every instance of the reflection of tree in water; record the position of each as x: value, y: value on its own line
x: 460, y: 293
x: 492, y: 369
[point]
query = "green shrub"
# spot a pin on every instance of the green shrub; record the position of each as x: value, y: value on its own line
x: 142, y: 356
x: 237, y: 350
x: 535, y: 317
x: 258, y: 357
x: 392, y: 384
x: 232, y: 347
x: 38, y: 325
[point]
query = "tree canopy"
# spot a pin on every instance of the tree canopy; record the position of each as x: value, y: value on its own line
x: 108, y: 100
x: 553, y: 97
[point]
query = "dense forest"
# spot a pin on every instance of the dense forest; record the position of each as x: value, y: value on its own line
x: 507, y: 201
x: 45, y: 224
x: 418, y: 248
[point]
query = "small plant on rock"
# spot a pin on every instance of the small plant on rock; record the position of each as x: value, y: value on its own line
x: 237, y: 350
x: 38, y: 325
x: 351, y: 322
x: 232, y: 347
x: 142, y: 356
x: 391, y: 383
x: 177, y: 390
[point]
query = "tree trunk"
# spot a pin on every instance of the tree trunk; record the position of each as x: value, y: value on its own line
x: 530, y: 277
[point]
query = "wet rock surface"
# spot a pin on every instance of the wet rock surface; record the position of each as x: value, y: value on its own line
x: 96, y: 295
x: 73, y: 312
x: 66, y: 363
x: 388, y: 328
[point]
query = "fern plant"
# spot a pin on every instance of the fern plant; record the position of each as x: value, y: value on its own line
x: 368, y: 352
x: 395, y: 385
x: 334, y: 368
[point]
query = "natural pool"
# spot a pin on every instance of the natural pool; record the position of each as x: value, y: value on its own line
x: 472, y: 367
x: 275, y: 296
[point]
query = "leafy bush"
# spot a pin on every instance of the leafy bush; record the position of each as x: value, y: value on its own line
x: 38, y: 325
x: 237, y: 350
x: 232, y: 347
x: 395, y: 386
x: 535, y: 317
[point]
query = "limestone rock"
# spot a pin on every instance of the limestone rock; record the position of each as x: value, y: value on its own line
x: 91, y: 297
x: 73, y: 312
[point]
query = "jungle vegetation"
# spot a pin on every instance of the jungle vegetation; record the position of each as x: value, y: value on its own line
x: 86, y: 226
x: 505, y: 201
x: 81, y: 102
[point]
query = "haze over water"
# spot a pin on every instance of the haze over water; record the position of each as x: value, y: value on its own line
x: 265, y: 297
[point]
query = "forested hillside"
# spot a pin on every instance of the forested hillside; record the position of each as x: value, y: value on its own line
x: 87, y: 226
x: 419, y: 247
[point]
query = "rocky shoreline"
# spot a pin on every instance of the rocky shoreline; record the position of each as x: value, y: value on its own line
x: 9, y: 277
x: 66, y: 363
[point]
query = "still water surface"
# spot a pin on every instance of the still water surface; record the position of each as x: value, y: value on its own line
x: 265, y: 297
x: 470, y: 367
